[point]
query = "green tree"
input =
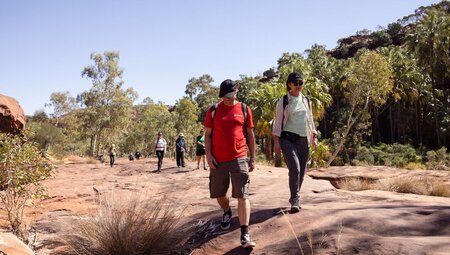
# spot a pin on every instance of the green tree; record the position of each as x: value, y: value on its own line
x: 369, y: 82
x: 203, y: 93
x: 62, y: 103
x: 411, y: 87
x: 187, y: 121
x: 108, y: 106
x: 154, y: 118
x: 263, y: 109
x: 431, y: 43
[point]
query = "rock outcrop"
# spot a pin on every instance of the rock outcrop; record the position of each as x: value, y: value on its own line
x: 12, y: 116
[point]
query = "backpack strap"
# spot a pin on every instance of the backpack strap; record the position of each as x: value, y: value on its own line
x: 244, y: 111
x: 213, y: 112
x: 285, y: 103
x: 213, y: 109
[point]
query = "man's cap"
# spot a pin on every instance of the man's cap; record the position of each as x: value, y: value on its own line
x: 294, y: 77
x: 228, y: 88
x: 181, y: 134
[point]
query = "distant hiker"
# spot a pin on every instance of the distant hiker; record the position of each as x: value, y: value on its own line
x: 137, y: 155
x: 294, y: 132
x: 112, y: 154
x: 180, y: 149
x: 200, y: 151
x: 160, y: 148
x: 228, y: 124
x: 131, y: 156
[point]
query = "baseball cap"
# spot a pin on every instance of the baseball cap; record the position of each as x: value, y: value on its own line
x: 228, y: 88
x: 293, y: 77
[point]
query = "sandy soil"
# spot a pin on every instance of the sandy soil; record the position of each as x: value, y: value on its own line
x: 333, y: 221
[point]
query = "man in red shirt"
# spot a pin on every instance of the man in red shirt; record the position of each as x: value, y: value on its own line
x: 228, y: 132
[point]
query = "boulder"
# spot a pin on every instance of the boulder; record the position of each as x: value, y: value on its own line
x: 12, y: 116
x: 11, y: 245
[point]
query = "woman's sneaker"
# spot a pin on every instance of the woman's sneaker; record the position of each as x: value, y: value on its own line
x: 246, y: 241
x: 226, y: 220
x: 295, y: 205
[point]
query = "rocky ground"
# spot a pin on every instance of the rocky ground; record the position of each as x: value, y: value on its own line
x: 331, y: 221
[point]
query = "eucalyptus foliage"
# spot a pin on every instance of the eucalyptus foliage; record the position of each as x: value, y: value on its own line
x: 22, y: 170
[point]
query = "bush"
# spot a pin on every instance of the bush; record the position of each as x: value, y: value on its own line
x: 320, y: 155
x: 438, y: 160
x: 22, y: 170
x: 128, y: 225
x: 396, y: 155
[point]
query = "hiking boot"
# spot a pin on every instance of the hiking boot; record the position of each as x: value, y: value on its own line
x: 295, y: 205
x: 226, y: 220
x: 246, y: 241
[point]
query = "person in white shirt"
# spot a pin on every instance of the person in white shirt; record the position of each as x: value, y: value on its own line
x: 293, y: 133
x: 160, y: 148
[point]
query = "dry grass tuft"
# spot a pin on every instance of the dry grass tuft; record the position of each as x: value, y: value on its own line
x: 354, y: 184
x: 415, y: 185
x: 415, y: 166
x: 128, y: 226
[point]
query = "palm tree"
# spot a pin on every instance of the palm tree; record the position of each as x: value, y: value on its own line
x: 431, y: 43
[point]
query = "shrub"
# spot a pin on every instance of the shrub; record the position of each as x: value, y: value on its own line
x: 320, y: 155
x: 365, y: 155
x: 22, y: 170
x: 128, y: 225
x: 438, y: 160
x: 396, y: 155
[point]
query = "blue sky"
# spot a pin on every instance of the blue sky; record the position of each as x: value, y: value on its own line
x: 44, y: 45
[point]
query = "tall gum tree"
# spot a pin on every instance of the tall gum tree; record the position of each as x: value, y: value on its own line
x: 108, y: 106
x: 368, y: 82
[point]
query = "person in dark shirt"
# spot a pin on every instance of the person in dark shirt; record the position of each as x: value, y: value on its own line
x: 180, y: 149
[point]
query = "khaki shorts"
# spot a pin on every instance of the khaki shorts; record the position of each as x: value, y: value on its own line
x: 219, y: 179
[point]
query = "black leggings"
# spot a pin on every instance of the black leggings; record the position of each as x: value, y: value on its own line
x: 160, y: 155
x: 180, y: 158
x: 111, y: 160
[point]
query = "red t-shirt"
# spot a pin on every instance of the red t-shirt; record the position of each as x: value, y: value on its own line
x: 228, y: 139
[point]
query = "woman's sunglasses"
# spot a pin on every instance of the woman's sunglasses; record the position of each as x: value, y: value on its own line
x: 298, y: 83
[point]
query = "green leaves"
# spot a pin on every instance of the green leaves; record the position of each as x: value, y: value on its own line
x: 22, y: 169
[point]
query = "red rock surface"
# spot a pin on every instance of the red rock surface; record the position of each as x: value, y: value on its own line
x: 364, y: 222
x: 12, y: 117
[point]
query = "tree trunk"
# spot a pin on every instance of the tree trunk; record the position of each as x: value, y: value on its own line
x: 93, y: 144
x: 436, y: 120
x: 400, y: 138
x: 268, y: 147
x: 338, y: 149
x: 343, y: 138
x: 391, y: 123
x: 416, y: 111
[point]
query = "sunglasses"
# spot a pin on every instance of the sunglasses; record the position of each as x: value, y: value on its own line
x: 298, y: 83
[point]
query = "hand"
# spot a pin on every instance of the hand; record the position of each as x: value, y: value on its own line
x: 276, y: 148
x: 211, y: 162
x: 314, y: 143
x: 251, y: 164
